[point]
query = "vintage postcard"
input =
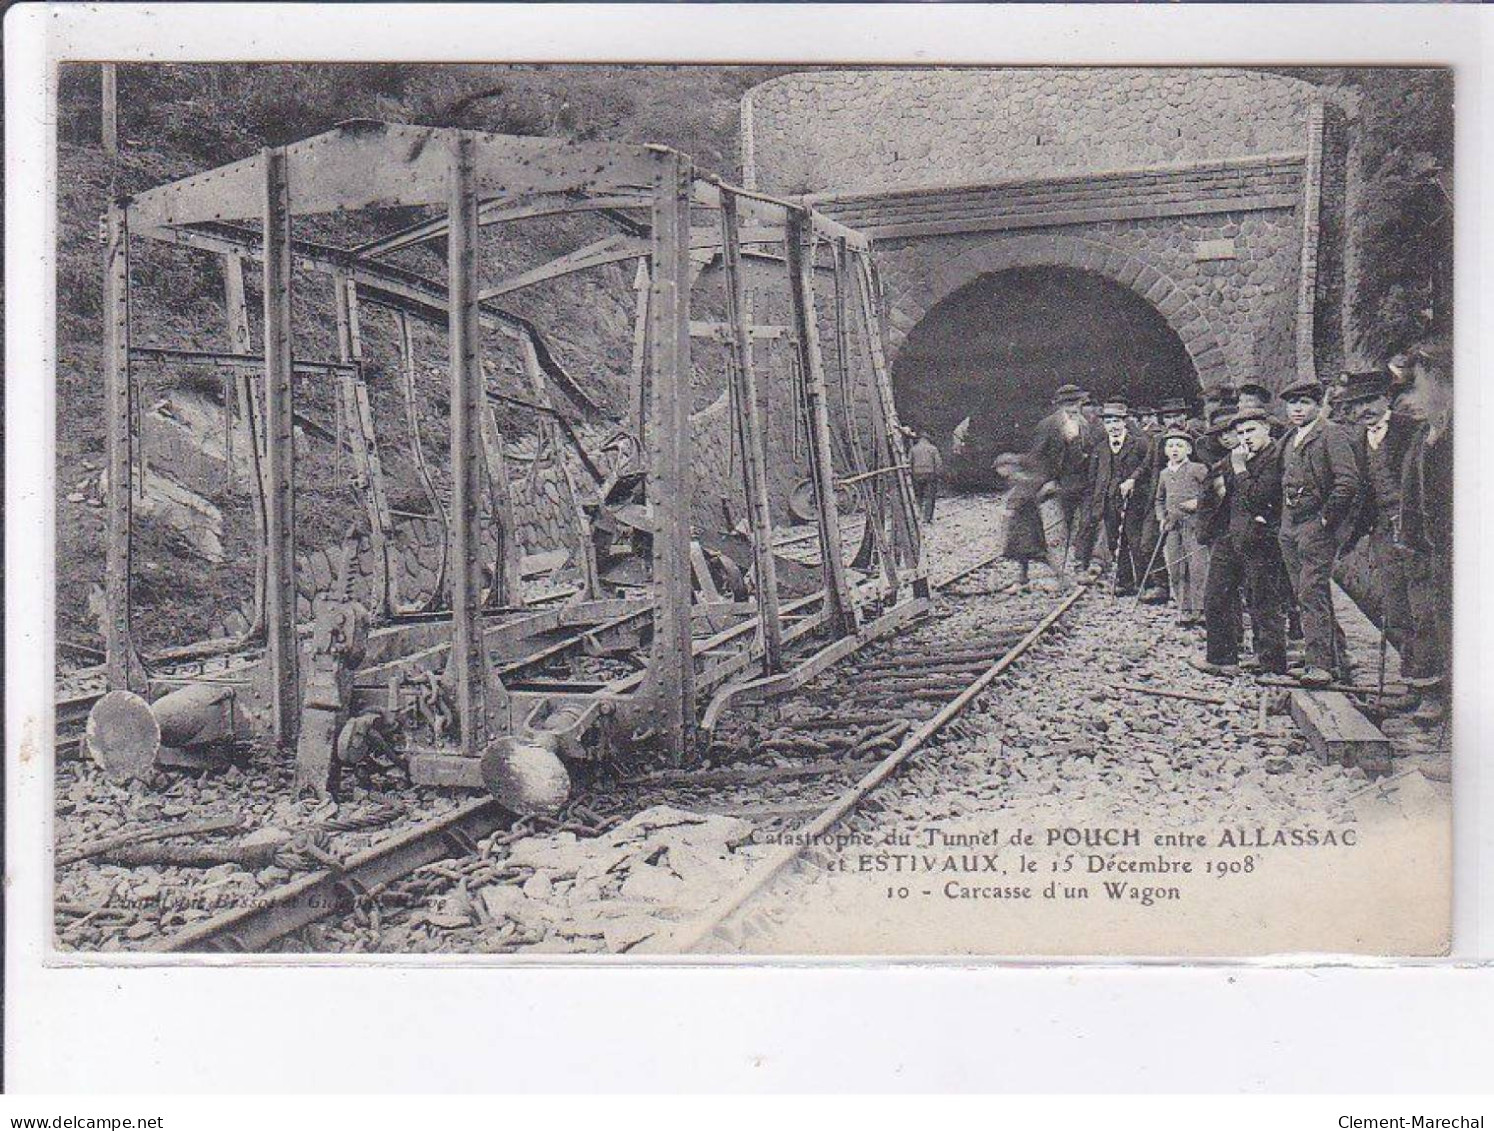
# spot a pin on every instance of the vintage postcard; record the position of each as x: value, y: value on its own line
x: 775, y: 510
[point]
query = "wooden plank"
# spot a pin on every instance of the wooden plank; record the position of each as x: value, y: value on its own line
x: 549, y: 430
x: 237, y: 315
x: 611, y: 249
x: 410, y: 396
x: 750, y: 442
x: 806, y: 325
x: 721, y: 331
x: 280, y: 454
x: 905, y: 527
x: 1338, y: 733
x: 508, y: 588
x: 446, y: 771
x: 367, y: 470
x: 498, y: 212
x: 638, y: 371
x: 481, y: 703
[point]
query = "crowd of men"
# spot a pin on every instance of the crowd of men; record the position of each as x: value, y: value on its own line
x: 1240, y: 514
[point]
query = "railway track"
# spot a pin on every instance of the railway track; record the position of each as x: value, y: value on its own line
x: 760, y: 881
x: 360, y: 881
x: 920, y: 665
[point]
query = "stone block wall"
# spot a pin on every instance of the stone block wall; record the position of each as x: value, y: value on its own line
x: 541, y: 521
x: 1234, y: 316
x: 827, y: 130
x: 1189, y: 187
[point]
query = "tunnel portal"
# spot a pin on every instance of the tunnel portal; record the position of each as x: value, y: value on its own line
x: 996, y: 350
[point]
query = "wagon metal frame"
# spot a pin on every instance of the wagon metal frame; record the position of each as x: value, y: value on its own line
x: 672, y: 221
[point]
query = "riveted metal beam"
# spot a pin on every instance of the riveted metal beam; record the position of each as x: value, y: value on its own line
x: 482, y: 706
x: 822, y: 470
x: 671, y: 667
x: 280, y: 454
x: 122, y: 662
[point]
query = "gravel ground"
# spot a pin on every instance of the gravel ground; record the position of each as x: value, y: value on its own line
x: 1058, y: 734
x: 1062, y: 741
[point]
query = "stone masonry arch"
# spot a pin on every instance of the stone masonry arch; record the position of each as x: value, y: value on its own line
x: 1198, y: 190
x: 915, y: 298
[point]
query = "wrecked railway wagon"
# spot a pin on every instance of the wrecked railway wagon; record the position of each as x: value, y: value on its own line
x: 677, y: 579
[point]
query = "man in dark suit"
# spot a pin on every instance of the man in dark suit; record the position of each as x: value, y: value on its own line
x: 1060, y: 455
x: 1122, y: 488
x: 1320, y: 485
x: 1426, y: 525
x: 1243, y: 555
x: 1381, y: 439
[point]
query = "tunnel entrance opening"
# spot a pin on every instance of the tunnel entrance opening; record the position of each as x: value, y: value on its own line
x: 996, y: 350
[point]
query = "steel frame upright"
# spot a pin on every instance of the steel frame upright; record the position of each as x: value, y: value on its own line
x: 122, y: 662
x: 671, y: 667
x: 280, y: 454
x: 482, y: 706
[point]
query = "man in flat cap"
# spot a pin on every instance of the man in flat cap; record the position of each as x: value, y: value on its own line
x: 1219, y: 401
x: 1174, y: 412
x: 1320, y: 487
x: 1122, y: 491
x: 1381, y: 440
x: 1253, y: 395
x: 1243, y: 555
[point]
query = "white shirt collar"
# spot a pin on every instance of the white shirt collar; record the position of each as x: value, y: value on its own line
x: 1305, y: 431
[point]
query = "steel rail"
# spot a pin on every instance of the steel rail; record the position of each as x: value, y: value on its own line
x: 697, y: 933
x: 302, y: 902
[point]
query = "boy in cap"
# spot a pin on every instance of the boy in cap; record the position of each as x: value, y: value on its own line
x: 1155, y: 585
x: 1426, y: 525
x: 1061, y: 458
x: 1243, y: 555
x: 1122, y: 490
x: 1179, y: 484
x: 1320, y: 487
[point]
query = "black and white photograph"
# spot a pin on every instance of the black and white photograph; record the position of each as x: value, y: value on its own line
x: 543, y: 510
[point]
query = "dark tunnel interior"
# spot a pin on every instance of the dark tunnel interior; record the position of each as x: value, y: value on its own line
x: 996, y: 350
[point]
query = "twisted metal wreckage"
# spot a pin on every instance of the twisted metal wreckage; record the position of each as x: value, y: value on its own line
x: 352, y: 680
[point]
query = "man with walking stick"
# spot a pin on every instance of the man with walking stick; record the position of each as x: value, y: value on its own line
x: 1121, y: 488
